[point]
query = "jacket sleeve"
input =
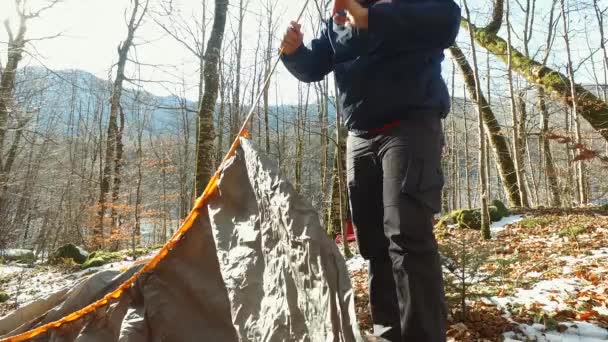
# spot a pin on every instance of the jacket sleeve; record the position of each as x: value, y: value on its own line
x: 311, y: 64
x: 432, y: 24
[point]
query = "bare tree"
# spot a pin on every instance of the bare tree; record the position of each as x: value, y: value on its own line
x: 12, y: 119
x: 517, y: 117
x: 483, y: 181
x: 113, y: 153
x: 590, y: 106
x: 206, y: 135
x: 580, y: 166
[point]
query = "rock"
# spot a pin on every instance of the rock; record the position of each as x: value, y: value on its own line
x: 70, y: 251
x: 25, y: 256
x: 495, y: 214
x: 3, y: 297
x: 471, y: 218
x: 502, y: 208
x: 468, y: 218
x: 100, y: 258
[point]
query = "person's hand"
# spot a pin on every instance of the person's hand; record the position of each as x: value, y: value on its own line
x: 356, y: 15
x: 292, y: 39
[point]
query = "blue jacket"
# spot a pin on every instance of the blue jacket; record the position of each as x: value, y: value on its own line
x: 390, y: 71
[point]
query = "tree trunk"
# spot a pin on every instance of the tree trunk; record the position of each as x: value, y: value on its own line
x: 517, y: 150
x: 16, y: 46
x: 206, y: 136
x: 580, y: 164
x: 483, y: 182
x: 115, y: 212
x: 112, y: 132
x: 591, y: 107
x: 466, y: 154
x: 498, y: 141
x: 236, y: 99
x: 341, y: 167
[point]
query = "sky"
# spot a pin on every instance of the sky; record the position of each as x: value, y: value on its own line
x: 92, y: 29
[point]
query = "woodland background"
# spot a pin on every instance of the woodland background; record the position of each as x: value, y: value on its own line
x: 104, y: 162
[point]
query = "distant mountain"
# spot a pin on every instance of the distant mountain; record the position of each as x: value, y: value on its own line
x: 61, y: 93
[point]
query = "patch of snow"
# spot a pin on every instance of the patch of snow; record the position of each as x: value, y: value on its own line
x: 15, y: 252
x: 9, y: 270
x: 534, y: 274
x: 551, y: 294
x: 499, y: 226
x: 576, y: 332
x: 26, y: 284
x: 601, y: 310
x: 356, y: 263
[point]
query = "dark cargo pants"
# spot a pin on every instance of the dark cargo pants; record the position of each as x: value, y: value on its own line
x: 395, y: 183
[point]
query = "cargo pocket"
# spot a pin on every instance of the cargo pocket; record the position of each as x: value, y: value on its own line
x: 365, y: 198
x: 424, y: 181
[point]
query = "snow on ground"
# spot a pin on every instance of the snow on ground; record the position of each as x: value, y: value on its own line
x: 550, y: 294
x: 15, y: 253
x: 356, y: 263
x: 577, y: 332
x: 553, y: 296
x: 504, y: 222
x: 25, y: 284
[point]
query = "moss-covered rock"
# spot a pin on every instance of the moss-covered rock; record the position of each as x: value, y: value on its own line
x: 4, y: 297
x: 502, y: 208
x: 468, y: 218
x: 70, y: 251
x: 495, y: 214
x: 445, y: 220
x: 100, y: 258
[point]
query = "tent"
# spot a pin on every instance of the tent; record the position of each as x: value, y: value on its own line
x: 251, y: 263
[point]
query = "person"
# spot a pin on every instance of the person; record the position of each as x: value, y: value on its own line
x: 386, y: 56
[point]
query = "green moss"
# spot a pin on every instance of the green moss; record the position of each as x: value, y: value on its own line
x: 4, y: 297
x: 468, y: 218
x: 495, y: 214
x: 100, y: 258
x: 535, y: 221
x: 502, y: 208
x: 572, y: 231
x: 139, y: 251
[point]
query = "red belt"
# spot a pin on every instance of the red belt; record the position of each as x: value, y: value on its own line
x: 384, y: 128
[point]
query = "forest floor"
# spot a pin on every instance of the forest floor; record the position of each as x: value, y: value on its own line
x: 543, y: 277
x: 24, y: 284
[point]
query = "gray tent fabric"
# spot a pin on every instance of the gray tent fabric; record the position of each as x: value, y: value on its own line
x: 256, y: 266
x: 287, y: 281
